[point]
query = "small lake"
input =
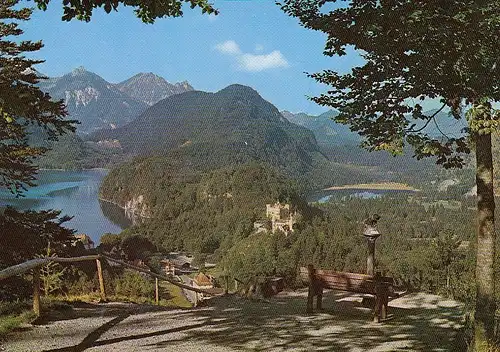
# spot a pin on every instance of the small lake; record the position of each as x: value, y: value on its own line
x: 76, y: 194
x: 323, y: 196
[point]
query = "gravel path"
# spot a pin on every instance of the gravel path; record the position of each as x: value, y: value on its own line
x: 421, y: 323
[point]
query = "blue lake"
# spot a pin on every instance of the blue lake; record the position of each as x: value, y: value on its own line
x: 324, y: 196
x: 75, y: 193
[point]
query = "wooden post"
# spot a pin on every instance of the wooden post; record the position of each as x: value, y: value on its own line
x: 226, y: 288
x: 101, y: 280
x: 36, y: 290
x: 370, y: 261
x: 236, y: 285
x: 157, y: 293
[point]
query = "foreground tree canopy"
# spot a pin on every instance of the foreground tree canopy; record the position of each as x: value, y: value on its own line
x: 147, y: 11
x: 22, y: 103
x: 412, y: 51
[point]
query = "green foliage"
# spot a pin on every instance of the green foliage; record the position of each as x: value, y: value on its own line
x: 109, y: 241
x: 137, y: 247
x: 9, y: 323
x: 22, y: 103
x: 133, y: 284
x: 261, y: 254
x: 203, y: 213
x: 51, y: 274
x: 70, y: 152
x: 409, y: 56
x: 418, y: 247
x: 25, y: 234
x: 13, y: 314
x: 147, y: 11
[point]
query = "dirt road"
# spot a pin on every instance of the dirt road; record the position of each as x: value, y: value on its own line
x: 422, y: 323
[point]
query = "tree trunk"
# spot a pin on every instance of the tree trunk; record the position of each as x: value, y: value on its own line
x: 485, y: 281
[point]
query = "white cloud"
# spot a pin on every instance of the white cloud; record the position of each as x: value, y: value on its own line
x: 229, y: 47
x: 256, y: 63
x: 252, y: 62
x: 259, y: 48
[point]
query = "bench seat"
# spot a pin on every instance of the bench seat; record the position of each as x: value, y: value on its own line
x: 381, y: 287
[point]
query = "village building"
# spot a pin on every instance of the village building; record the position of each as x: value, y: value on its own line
x: 203, y: 282
x: 177, y: 263
x: 85, y: 240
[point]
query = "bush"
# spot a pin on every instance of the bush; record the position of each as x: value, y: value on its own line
x: 133, y: 284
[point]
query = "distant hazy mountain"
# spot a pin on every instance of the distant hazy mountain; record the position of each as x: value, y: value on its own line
x: 150, y: 88
x: 326, y: 131
x: 208, y: 130
x: 445, y: 124
x: 93, y: 101
x: 330, y: 133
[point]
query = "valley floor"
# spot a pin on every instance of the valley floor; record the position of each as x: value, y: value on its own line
x: 421, y: 322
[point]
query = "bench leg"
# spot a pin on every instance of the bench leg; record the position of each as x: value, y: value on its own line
x: 319, y: 298
x: 381, y: 305
x: 312, y: 287
x: 378, y: 309
x: 310, y: 296
x: 385, y: 305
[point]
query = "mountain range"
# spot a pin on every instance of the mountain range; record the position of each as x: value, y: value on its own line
x: 150, y: 88
x: 325, y: 129
x: 99, y: 104
x: 208, y: 130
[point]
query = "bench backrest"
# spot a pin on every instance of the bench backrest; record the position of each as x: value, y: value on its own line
x: 351, y: 282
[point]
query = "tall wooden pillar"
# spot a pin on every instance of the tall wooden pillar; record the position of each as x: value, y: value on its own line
x: 157, y: 293
x: 36, y: 290
x: 101, y: 280
x: 370, y: 260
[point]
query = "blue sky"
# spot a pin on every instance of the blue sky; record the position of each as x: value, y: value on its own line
x: 250, y: 42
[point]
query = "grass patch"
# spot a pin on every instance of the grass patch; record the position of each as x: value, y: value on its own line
x: 177, y: 298
x: 13, y: 321
x: 170, y: 296
x: 13, y: 315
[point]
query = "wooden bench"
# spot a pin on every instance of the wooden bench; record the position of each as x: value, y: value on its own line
x: 380, y: 286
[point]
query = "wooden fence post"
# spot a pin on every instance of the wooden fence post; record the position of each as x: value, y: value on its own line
x: 101, y: 280
x: 157, y: 294
x: 36, y: 290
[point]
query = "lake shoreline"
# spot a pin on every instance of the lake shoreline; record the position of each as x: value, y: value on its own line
x: 76, y: 170
x: 121, y: 207
x: 382, y: 186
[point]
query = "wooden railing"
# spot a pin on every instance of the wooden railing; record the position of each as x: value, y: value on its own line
x: 35, y: 265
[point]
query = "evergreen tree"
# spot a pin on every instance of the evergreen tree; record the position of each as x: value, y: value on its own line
x: 22, y: 103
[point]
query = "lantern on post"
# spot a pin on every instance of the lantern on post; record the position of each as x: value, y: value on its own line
x: 371, y: 234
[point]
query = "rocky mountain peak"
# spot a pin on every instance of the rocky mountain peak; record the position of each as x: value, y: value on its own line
x: 79, y: 71
x: 151, y: 88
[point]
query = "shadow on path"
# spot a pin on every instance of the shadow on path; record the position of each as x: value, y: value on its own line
x: 343, y: 326
x: 421, y: 323
x: 91, y: 338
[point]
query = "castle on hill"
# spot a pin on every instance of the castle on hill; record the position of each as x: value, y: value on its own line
x: 280, y: 217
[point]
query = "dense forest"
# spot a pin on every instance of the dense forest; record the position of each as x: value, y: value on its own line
x: 426, y: 245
